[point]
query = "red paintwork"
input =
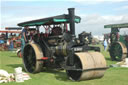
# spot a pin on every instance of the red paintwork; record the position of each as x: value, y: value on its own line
x: 6, y: 31
x: 44, y: 58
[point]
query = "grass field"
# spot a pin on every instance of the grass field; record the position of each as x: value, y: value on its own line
x: 113, y: 76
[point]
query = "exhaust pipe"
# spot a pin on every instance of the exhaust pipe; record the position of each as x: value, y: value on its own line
x: 72, y: 20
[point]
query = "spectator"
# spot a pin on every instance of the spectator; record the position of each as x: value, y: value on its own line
x: 105, y: 44
x: 23, y: 38
x: 11, y: 44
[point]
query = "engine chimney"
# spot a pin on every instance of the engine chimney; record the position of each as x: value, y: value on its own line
x: 72, y: 20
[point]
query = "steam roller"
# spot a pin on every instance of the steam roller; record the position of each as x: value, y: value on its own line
x: 59, y: 48
x: 87, y: 65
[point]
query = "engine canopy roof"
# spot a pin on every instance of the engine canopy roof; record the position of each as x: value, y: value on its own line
x: 50, y: 20
x: 122, y: 25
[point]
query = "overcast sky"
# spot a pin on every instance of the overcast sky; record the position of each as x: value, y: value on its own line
x: 94, y: 13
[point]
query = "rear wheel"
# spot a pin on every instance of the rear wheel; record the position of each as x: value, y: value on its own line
x: 31, y: 58
x: 118, y: 51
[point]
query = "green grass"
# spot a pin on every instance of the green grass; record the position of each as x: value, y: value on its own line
x: 113, y: 76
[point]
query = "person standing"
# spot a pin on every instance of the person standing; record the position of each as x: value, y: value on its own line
x: 23, y: 38
x: 11, y: 44
x: 105, y: 44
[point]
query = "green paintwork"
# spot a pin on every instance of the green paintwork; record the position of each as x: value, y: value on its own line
x: 65, y: 20
x: 123, y: 25
x: 122, y: 39
x: 50, y: 20
x: 54, y: 20
x: 118, y: 51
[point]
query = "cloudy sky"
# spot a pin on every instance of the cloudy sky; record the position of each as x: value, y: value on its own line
x: 94, y: 13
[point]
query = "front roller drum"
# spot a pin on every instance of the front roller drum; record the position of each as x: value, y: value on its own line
x: 31, y: 58
x: 92, y: 65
